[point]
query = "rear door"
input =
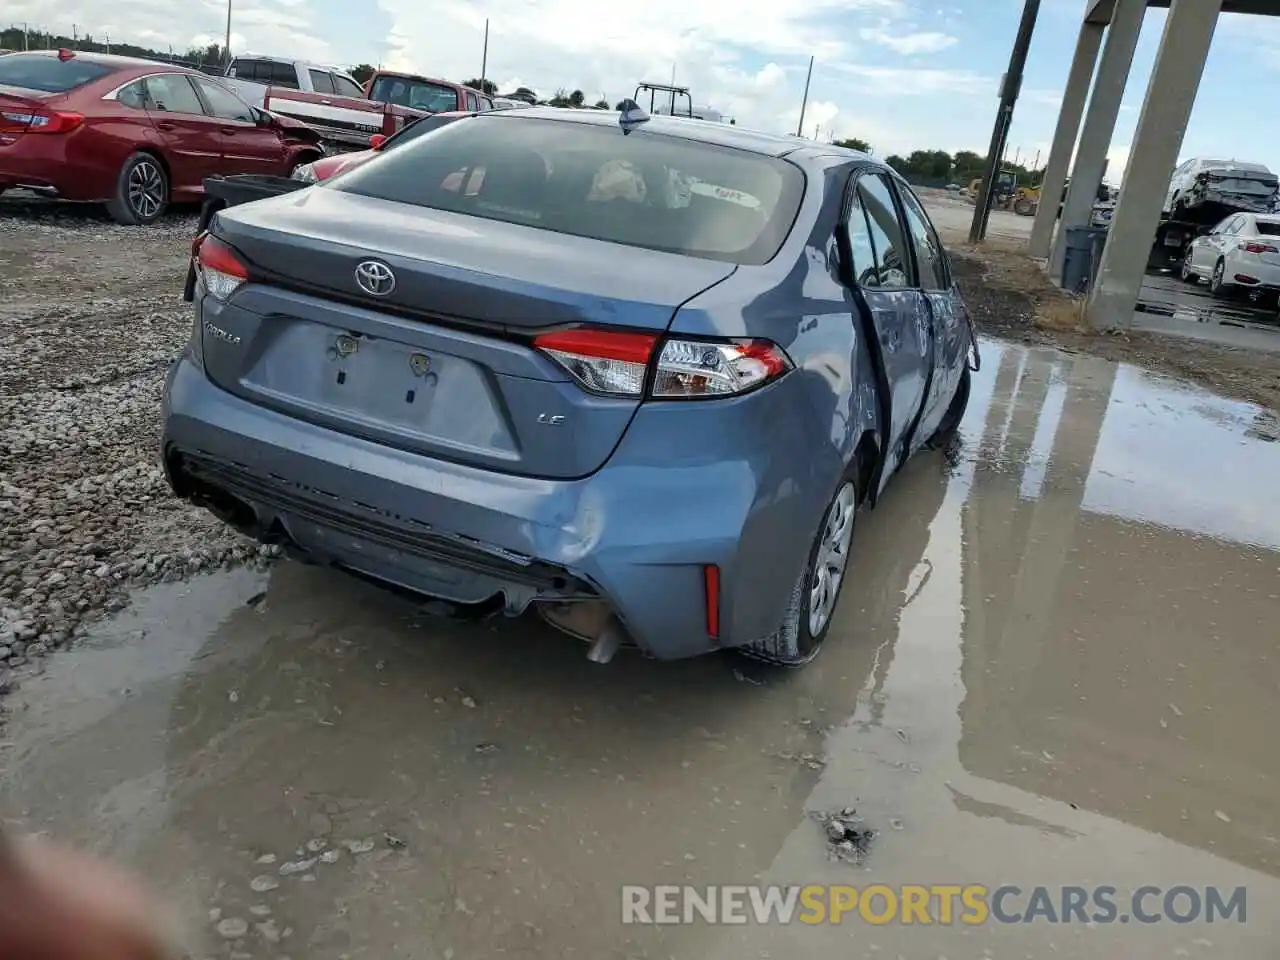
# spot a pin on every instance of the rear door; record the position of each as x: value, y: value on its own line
x: 1221, y: 238
x: 346, y: 87
x: 192, y: 138
x: 321, y: 81
x: 247, y: 147
x: 884, y: 272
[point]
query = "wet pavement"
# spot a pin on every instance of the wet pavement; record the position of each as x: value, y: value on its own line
x: 1057, y: 665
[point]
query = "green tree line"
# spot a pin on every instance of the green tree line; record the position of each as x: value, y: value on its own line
x: 208, y: 58
x: 938, y: 167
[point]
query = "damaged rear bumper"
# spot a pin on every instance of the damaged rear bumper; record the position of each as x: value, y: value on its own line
x: 637, y: 539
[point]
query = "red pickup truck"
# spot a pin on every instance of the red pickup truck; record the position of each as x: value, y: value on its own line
x: 390, y: 101
x: 427, y: 94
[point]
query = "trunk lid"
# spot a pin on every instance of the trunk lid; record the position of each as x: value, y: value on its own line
x: 18, y: 108
x: 442, y: 365
x: 1244, y: 180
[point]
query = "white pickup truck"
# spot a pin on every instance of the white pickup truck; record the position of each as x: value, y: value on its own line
x: 252, y: 75
x: 328, y: 100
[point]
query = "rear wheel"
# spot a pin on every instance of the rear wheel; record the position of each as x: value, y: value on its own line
x: 1217, y: 283
x: 816, y: 590
x: 949, y: 428
x: 301, y: 161
x: 142, y: 191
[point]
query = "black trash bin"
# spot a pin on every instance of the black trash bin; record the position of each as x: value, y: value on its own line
x: 1082, y: 255
x: 222, y: 192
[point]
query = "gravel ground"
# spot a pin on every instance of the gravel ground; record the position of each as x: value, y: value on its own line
x: 90, y: 316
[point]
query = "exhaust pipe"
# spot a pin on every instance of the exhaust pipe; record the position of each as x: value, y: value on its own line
x: 606, y: 645
x: 591, y: 621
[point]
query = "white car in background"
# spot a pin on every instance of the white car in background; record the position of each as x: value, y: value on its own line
x: 1242, y: 253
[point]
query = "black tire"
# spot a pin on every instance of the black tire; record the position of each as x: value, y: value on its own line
x: 1024, y: 208
x: 1185, y: 273
x: 1217, y: 285
x: 302, y: 161
x: 142, y: 191
x: 800, y: 635
x: 949, y: 428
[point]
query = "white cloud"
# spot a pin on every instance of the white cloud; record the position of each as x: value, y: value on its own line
x: 908, y: 44
x: 747, y: 59
x: 1117, y: 160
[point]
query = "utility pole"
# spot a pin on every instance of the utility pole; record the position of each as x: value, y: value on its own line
x: 484, y: 57
x: 26, y: 36
x: 107, y: 38
x: 226, y: 46
x: 804, y: 101
x: 75, y: 36
x: 1009, y: 89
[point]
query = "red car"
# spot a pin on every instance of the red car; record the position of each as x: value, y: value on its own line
x: 133, y: 134
x: 331, y: 166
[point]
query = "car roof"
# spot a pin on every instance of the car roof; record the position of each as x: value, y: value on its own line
x: 706, y: 131
x: 110, y: 60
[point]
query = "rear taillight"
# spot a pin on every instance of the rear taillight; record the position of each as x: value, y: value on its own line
x: 691, y: 368
x: 618, y: 363
x: 56, y: 121
x: 603, y: 361
x: 220, y: 268
x: 1258, y: 248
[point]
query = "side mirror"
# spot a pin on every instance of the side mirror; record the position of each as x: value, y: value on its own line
x: 376, y: 141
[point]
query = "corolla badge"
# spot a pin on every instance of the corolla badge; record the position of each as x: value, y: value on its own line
x: 375, y: 278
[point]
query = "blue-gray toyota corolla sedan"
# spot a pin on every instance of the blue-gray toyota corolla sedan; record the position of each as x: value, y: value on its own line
x: 639, y: 372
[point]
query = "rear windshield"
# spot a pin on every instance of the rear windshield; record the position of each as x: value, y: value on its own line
x: 643, y: 189
x: 48, y: 74
x: 417, y: 94
x: 417, y: 129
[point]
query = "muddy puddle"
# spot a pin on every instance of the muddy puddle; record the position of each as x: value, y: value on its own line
x: 1056, y: 666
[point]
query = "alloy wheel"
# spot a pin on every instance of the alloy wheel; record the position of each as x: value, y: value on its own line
x: 146, y: 189
x: 831, y: 559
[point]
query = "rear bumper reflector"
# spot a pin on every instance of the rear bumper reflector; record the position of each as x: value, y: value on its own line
x: 711, y: 580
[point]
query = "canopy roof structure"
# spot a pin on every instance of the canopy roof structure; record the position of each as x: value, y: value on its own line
x: 1098, y: 75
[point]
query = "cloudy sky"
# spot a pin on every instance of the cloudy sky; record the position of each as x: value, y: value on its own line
x: 903, y: 74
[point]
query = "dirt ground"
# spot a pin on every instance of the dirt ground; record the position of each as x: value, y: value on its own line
x: 1011, y: 298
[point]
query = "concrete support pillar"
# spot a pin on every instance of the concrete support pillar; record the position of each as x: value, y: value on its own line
x: 1099, y: 123
x: 1064, y: 136
x: 1171, y: 93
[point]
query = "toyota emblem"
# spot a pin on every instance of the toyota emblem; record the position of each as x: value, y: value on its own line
x: 375, y: 279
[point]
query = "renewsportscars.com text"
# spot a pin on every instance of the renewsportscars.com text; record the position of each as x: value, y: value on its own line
x: 941, y: 904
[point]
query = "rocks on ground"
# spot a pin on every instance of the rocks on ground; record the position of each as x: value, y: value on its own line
x: 85, y: 512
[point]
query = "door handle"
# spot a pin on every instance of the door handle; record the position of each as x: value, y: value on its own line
x: 165, y: 124
x: 229, y: 131
x: 327, y: 102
